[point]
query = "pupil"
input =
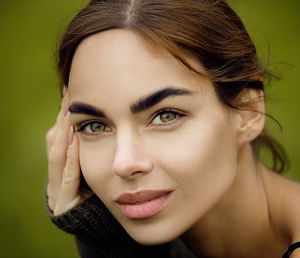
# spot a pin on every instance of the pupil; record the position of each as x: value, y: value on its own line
x: 96, y: 127
x: 166, y: 117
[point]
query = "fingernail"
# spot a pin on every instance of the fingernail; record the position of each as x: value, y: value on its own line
x: 66, y: 116
x: 66, y: 111
x: 71, y: 135
x: 67, y: 103
x: 65, y: 106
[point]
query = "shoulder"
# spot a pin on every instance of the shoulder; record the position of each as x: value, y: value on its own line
x: 290, y: 196
x: 283, y: 197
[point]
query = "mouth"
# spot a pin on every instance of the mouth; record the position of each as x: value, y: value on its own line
x: 143, y: 204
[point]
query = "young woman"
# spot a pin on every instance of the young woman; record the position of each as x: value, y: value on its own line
x: 162, y: 120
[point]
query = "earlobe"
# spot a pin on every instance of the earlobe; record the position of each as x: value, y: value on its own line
x: 251, y: 113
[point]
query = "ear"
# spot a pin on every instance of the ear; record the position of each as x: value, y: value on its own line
x: 251, y: 115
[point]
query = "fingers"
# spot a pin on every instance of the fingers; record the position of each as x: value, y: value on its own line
x: 68, y: 195
x: 63, y: 163
x: 58, y: 155
x: 57, y: 144
x: 51, y: 134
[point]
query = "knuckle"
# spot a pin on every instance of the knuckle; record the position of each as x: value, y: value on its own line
x: 68, y: 176
x: 62, y: 133
x: 50, y: 135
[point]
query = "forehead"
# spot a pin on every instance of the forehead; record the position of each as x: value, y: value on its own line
x: 118, y: 64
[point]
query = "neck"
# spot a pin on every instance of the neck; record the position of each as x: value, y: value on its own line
x: 240, y: 224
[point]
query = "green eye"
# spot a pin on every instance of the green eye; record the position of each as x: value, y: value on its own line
x: 166, y: 117
x: 96, y: 127
x: 92, y: 127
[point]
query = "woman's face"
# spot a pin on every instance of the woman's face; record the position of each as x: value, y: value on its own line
x: 156, y: 145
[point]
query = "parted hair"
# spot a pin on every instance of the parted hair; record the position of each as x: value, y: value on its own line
x: 208, y: 31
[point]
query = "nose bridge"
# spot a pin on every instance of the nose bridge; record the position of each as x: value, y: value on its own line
x: 127, y: 144
x: 130, y: 159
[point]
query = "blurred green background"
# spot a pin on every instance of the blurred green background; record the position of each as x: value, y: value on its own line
x: 30, y: 99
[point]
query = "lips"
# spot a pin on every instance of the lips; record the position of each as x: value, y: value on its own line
x: 143, y: 204
x: 140, y: 197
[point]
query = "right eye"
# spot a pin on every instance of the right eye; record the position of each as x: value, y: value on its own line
x: 92, y: 127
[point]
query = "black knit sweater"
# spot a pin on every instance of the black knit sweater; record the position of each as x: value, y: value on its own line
x: 99, y: 235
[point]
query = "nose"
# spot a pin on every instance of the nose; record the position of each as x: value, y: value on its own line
x: 130, y: 160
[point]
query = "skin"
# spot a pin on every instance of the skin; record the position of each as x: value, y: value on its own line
x: 223, y: 199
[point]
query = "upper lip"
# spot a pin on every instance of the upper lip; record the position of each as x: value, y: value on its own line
x: 140, y: 196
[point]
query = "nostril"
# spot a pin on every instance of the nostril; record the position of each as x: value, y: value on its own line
x: 132, y: 169
x: 136, y: 173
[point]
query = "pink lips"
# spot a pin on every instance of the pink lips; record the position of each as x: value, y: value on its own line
x: 143, y: 204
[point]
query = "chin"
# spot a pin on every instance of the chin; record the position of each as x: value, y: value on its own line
x: 152, y: 240
x: 152, y: 233
x: 149, y: 240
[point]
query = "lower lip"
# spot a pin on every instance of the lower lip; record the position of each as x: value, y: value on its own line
x: 145, y: 209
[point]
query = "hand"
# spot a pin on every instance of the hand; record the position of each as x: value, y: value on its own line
x: 63, y: 188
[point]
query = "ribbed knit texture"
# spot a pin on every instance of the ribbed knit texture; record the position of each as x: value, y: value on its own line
x: 93, y: 225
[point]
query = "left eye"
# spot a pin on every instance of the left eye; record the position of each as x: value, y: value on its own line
x: 92, y: 127
x: 166, y: 117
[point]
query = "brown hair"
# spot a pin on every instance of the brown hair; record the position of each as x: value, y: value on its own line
x: 209, y: 31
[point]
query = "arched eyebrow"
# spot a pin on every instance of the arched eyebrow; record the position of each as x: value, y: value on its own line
x: 138, y: 106
x: 87, y: 109
x: 147, y: 102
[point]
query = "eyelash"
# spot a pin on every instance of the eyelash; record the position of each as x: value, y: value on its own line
x: 166, y: 110
x: 81, y: 127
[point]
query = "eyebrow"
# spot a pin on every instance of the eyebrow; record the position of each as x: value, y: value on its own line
x: 83, y: 108
x: 138, y: 106
x: 149, y: 101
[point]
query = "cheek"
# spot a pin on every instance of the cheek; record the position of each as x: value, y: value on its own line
x: 95, y: 162
x: 201, y: 160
